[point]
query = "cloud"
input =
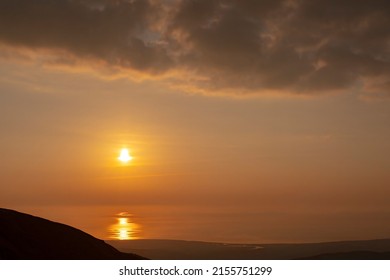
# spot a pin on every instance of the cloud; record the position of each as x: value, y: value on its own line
x: 104, y: 30
x: 296, y: 47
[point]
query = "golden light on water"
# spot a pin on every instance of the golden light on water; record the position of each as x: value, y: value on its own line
x: 124, y: 228
x: 123, y: 234
x: 122, y: 221
x: 124, y: 156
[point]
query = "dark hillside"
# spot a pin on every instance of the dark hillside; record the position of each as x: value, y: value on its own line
x: 23, y: 236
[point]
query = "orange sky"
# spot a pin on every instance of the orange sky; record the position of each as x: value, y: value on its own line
x: 224, y: 150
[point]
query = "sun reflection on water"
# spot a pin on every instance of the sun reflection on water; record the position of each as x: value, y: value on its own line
x: 124, y: 228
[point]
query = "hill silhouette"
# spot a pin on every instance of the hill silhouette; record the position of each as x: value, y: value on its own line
x: 27, y: 237
x: 197, y: 250
x: 355, y: 255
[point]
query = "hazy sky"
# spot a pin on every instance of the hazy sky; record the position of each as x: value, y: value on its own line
x: 248, y: 121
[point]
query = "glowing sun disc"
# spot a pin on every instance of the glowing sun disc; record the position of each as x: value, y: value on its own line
x: 124, y: 156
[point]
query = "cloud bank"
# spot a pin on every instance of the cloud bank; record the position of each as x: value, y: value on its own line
x: 296, y: 47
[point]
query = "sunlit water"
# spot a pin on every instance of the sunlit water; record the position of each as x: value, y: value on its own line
x: 124, y: 228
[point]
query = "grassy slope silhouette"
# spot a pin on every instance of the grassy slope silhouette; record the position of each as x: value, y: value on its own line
x: 23, y: 236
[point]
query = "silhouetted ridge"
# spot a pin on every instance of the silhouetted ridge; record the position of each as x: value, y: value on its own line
x: 355, y: 255
x: 23, y: 236
x: 196, y: 250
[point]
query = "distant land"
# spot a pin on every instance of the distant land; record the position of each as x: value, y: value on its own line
x: 26, y: 237
x: 197, y: 250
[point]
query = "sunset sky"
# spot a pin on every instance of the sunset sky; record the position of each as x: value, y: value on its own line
x: 248, y: 121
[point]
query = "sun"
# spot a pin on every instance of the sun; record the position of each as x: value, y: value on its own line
x: 124, y: 156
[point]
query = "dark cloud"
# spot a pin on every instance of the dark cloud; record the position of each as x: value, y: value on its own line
x: 244, y: 47
x: 107, y: 30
